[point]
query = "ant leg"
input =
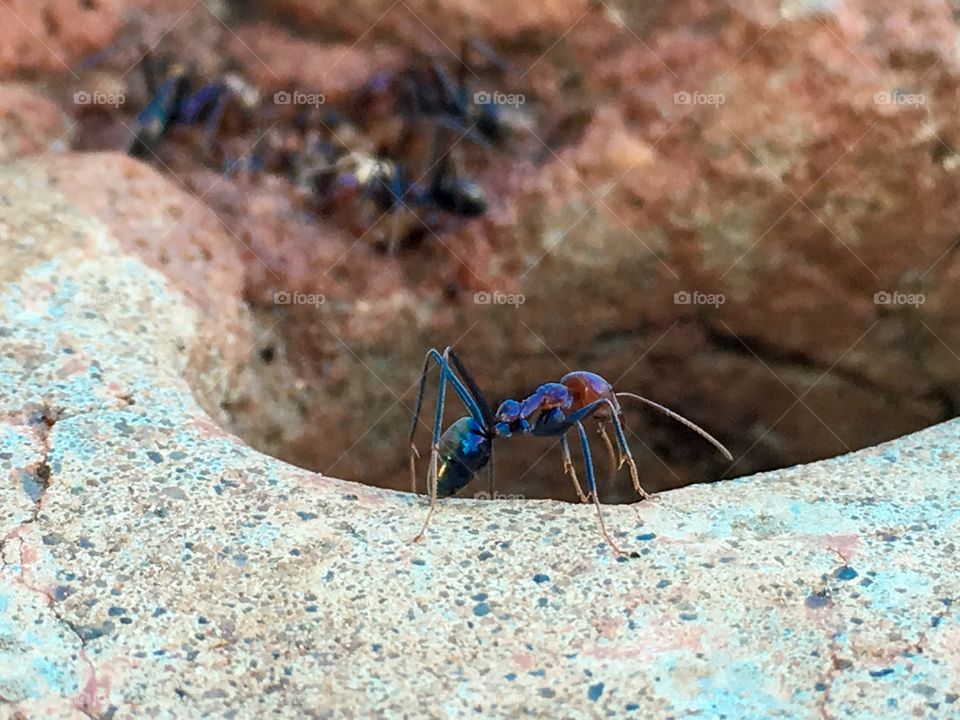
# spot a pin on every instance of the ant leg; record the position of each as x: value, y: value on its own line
x: 414, y: 453
x: 212, y: 125
x: 592, y: 486
x: 150, y: 71
x: 464, y: 391
x: 435, y: 444
x: 627, y: 456
x: 582, y: 414
x: 611, y: 454
x: 570, y: 470
x: 446, y: 374
x: 490, y: 473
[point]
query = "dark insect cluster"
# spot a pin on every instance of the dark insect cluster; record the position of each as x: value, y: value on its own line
x: 389, y: 163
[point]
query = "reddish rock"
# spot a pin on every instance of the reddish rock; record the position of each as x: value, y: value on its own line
x: 30, y: 123
x: 427, y: 24
x: 51, y: 35
x: 275, y: 60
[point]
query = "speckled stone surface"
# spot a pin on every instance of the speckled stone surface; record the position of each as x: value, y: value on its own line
x: 155, y: 566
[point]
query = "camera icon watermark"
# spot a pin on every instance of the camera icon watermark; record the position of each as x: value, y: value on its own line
x: 84, y: 97
x: 285, y: 297
x: 899, y: 97
x: 898, y: 298
x: 684, y: 297
x: 296, y: 97
x: 698, y: 98
x: 499, y: 298
x: 483, y: 97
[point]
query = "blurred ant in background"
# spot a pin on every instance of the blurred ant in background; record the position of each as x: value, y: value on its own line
x: 340, y: 177
x: 426, y: 90
x: 177, y: 98
x: 372, y: 154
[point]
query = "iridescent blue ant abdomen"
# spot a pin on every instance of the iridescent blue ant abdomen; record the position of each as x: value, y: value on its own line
x: 464, y: 451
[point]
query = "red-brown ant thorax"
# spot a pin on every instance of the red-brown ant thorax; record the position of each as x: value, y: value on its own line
x: 587, y: 387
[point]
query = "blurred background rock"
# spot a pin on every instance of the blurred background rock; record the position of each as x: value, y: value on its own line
x: 746, y: 210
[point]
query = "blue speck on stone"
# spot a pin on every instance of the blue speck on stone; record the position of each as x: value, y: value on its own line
x: 155, y: 456
x: 485, y: 555
x: 376, y: 647
x: 511, y: 676
x: 631, y: 707
x: 662, y: 584
x: 881, y: 673
x: 419, y: 562
x: 646, y: 536
x: 820, y: 687
x: 311, y: 608
x: 542, y: 602
x: 816, y: 601
x: 845, y: 573
x: 481, y: 609
x: 540, y: 578
x: 688, y: 616
x: 546, y: 692
x: 306, y: 515
x: 595, y: 692
x: 115, y: 611
x: 479, y: 597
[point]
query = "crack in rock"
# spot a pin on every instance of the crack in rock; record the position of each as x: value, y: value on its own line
x: 42, y: 422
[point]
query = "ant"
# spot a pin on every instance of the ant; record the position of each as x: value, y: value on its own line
x: 428, y: 90
x: 386, y: 183
x: 466, y: 447
x: 174, y: 102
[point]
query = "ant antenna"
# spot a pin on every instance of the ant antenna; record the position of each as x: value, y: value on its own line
x: 682, y: 420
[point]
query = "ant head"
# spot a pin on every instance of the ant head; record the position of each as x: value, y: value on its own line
x: 509, y: 420
x: 508, y: 412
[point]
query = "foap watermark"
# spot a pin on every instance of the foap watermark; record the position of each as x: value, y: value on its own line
x: 283, y: 97
x: 683, y: 297
x: 285, y: 297
x: 898, y: 298
x: 482, y: 97
x: 98, y: 299
x: 83, y: 97
x: 899, y: 97
x: 499, y: 298
x: 698, y: 98
x: 484, y: 495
